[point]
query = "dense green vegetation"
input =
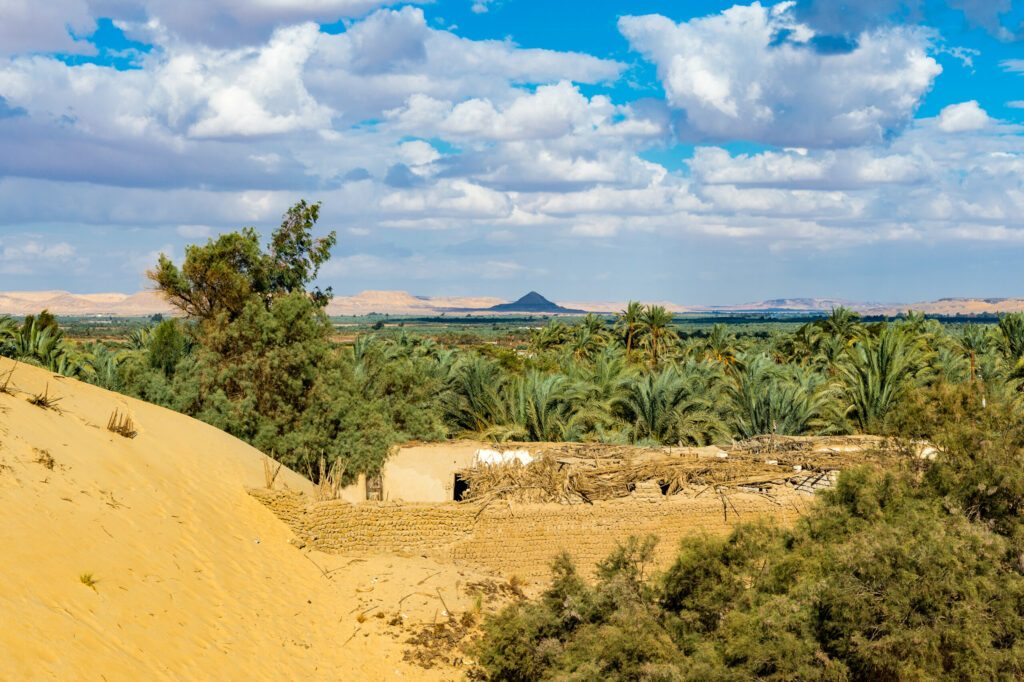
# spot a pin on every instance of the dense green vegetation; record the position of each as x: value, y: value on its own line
x: 254, y: 354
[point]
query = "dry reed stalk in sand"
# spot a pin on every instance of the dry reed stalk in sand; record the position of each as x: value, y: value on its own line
x: 329, y: 486
x: 44, y: 400
x: 121, y: 424
x: 270, y: 471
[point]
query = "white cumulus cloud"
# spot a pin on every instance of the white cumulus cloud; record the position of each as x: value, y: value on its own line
x: 958, y: 118
x: 753, y: 73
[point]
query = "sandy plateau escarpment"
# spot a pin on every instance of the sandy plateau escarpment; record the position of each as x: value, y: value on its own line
x: 145, y: 559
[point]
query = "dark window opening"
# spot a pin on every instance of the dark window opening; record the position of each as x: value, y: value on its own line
x: 460, y: 488
x: 664, y: 485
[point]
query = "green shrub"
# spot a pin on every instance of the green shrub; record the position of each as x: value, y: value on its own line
x: 893, y: 575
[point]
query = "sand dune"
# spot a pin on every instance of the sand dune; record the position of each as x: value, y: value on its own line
x: 195, y: 580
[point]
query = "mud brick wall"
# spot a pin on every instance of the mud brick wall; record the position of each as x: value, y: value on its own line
x: 340, y: 527
x: 518, y: 539
x: 523, y: 540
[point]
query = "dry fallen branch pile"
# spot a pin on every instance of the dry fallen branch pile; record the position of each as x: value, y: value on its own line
x: 572, y: 473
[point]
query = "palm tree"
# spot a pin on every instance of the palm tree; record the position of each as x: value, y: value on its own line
x: 843, y: 323
x: 655, y: 323
x: 670, y: 407
x: 8, y: 329
x: 629, y: 322
x: 801, y: 345
x: 588, y: 337
x: 594, y: 323
x: 914, y: 322
x: 552, y: 334
x: 41, y: 341
x: 878, y: 373
x: 597, y: 388
x: 830, y: 352
x: 973, y: 341
x: 720, y: 345
x: 538, y: 409
x: 104, y: 366
x: 1011, y: 328
x: 786, y: 400
x: 138, y: 338
x: 475, y: 401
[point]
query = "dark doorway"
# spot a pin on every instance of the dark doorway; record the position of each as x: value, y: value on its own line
x: 460, y: 488
x: 374, y: 488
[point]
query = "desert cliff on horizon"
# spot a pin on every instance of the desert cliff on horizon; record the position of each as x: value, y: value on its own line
x: 144, y: 303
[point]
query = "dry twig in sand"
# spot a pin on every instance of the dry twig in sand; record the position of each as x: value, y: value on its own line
x: 45, y: 458
x: 122, y: 425
x: 89, y: 581
x: 44, y: 400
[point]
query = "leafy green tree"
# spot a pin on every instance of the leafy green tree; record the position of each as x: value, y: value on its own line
x: 224, y: 275
x: 261, y: 376
x: 166, y: 346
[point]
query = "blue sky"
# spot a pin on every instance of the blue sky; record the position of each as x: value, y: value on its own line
x: 698, y: 152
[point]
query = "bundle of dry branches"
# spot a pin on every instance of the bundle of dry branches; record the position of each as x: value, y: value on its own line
x: 570, y: 473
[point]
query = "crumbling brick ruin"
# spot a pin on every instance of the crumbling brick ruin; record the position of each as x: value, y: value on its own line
x: 581, y: 498
x: 518, y: 539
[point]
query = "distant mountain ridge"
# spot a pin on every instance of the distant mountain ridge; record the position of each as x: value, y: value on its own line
x: 798, y: 305
x: 145, y: 303
x: 532, y: 303
x: 64, y: 303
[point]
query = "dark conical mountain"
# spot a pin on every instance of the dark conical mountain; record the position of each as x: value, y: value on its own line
x: 532, y: 303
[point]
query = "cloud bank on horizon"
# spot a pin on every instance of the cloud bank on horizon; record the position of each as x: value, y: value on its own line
x: 709, y: 154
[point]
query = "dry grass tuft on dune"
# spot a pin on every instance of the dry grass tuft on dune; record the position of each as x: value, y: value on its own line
x: 145, y: 558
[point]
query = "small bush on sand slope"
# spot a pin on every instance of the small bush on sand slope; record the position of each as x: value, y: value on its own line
x: 908, y: 575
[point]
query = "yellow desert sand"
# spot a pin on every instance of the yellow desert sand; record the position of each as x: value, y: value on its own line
x: 144, y: 558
